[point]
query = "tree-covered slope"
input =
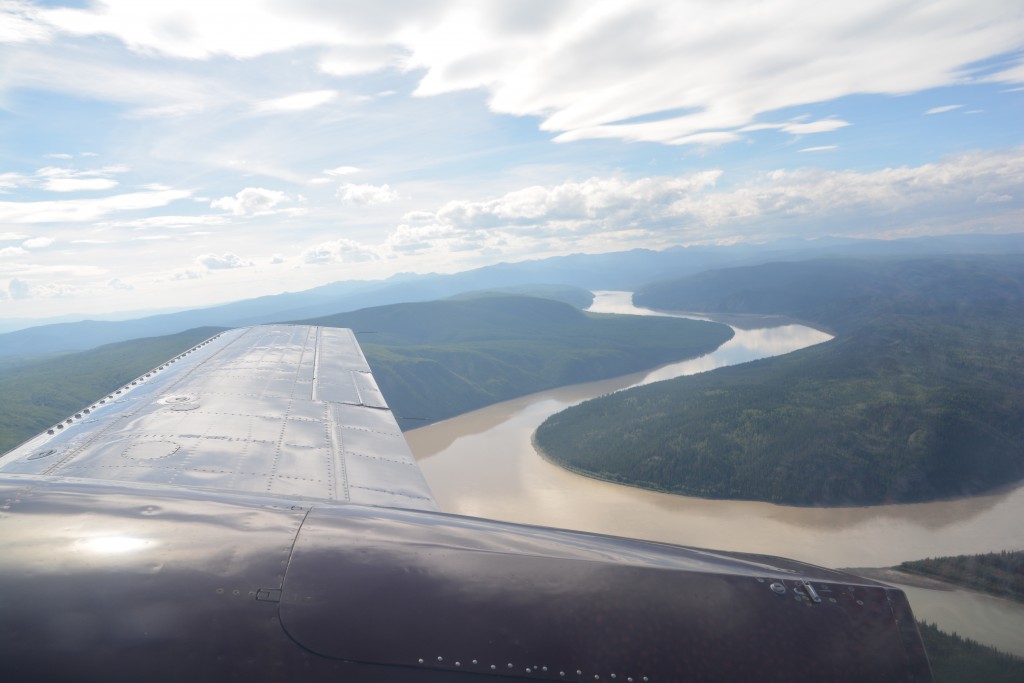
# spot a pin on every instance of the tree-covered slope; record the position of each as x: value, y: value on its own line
x: 960, y: 660
x: 920, y: 396
x: 36, y: 395
x: 999, y: 573
x: 437, y: 359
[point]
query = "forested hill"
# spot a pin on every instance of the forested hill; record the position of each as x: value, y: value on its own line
x: 437, y: 359
x: 34, y: 396
x: 920, y: 396
x: 847, y: 293
x: 432, y: 360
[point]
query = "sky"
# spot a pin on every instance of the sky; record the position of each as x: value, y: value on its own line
x: 174, y: 155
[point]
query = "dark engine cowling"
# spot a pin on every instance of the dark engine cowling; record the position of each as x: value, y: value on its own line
x: 127, y: 583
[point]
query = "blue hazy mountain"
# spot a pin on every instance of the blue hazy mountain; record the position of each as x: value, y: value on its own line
x: 626, y: 270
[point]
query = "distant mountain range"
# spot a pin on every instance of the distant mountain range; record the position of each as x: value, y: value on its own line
x: 626, y: 270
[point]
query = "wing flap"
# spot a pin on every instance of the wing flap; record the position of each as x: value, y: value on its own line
x: 279, y: 409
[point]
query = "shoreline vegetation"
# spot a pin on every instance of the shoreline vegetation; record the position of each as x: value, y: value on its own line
x: 1000, y: 574
x: 926, y: 366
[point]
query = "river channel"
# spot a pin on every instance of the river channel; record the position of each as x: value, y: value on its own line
x: 483, y: 464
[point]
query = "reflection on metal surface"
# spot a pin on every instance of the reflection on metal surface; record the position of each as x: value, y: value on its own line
x: 112, y: 544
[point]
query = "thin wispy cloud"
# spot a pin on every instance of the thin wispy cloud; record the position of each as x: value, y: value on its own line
x: 943, y: 109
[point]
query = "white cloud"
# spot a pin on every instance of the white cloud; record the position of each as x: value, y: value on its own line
x: 709, y: 139
x: 118, y: 283
x: 353, y: 60
x: 341, y: 250
x: 166, y: 222
x: 604, y: 199
x: 671, y: 210
x: 943, y: 109
x: 77, y: 210
x: 341, y: 170
x: 366, y: 195
x: 19, y: 23
x: 57, y: 179
x: 582, y: 65
x: 60, y: 156
x: 37, y: 242
x: 298, y: 102
x: 993, y: 198
x: 187, y: 274
x: 11, y: 251
x: 18, y: 288
x: 820, y: 148
x: 276, y: 259
x: 823, y: 126
x: 222, y: 262
x: 78, y: 184
x: 255, y: 201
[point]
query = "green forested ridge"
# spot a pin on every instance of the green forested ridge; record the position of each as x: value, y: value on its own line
x: 577, y: 296
x: 36, y: 395
x: 961, y: 660
x: 437, y: 359
x: 999, y: 573
x: 920, y: 396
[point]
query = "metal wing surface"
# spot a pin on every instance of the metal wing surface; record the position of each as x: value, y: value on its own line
x: 281, y: 410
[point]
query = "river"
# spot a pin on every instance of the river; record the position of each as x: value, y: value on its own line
x: 483, y: 464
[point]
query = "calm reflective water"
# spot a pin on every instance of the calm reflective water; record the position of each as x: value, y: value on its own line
x: 483, y: 464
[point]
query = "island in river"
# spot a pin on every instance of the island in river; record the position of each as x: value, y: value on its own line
x: 917, y: 398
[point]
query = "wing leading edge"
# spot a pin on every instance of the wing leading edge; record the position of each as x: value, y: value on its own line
x: 282, y: 410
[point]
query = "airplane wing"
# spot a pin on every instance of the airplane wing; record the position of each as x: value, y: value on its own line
x: 249, y: 511
x: 284, y: 410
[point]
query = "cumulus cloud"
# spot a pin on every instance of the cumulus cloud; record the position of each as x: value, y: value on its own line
x: 252, y: 201
x: 276, y: 259
x: 18, y: 288
x: 12, y: 251
x: 605, y: 199
x: 37, y: 242
x: 670, y: 210
x: 187, y: 274
x: 366, y: 195
x: 118, y: 283
x: 222, y: 262
x: 341, y: 250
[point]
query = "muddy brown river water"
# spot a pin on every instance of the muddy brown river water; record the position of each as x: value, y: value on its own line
x: 483, y: 464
